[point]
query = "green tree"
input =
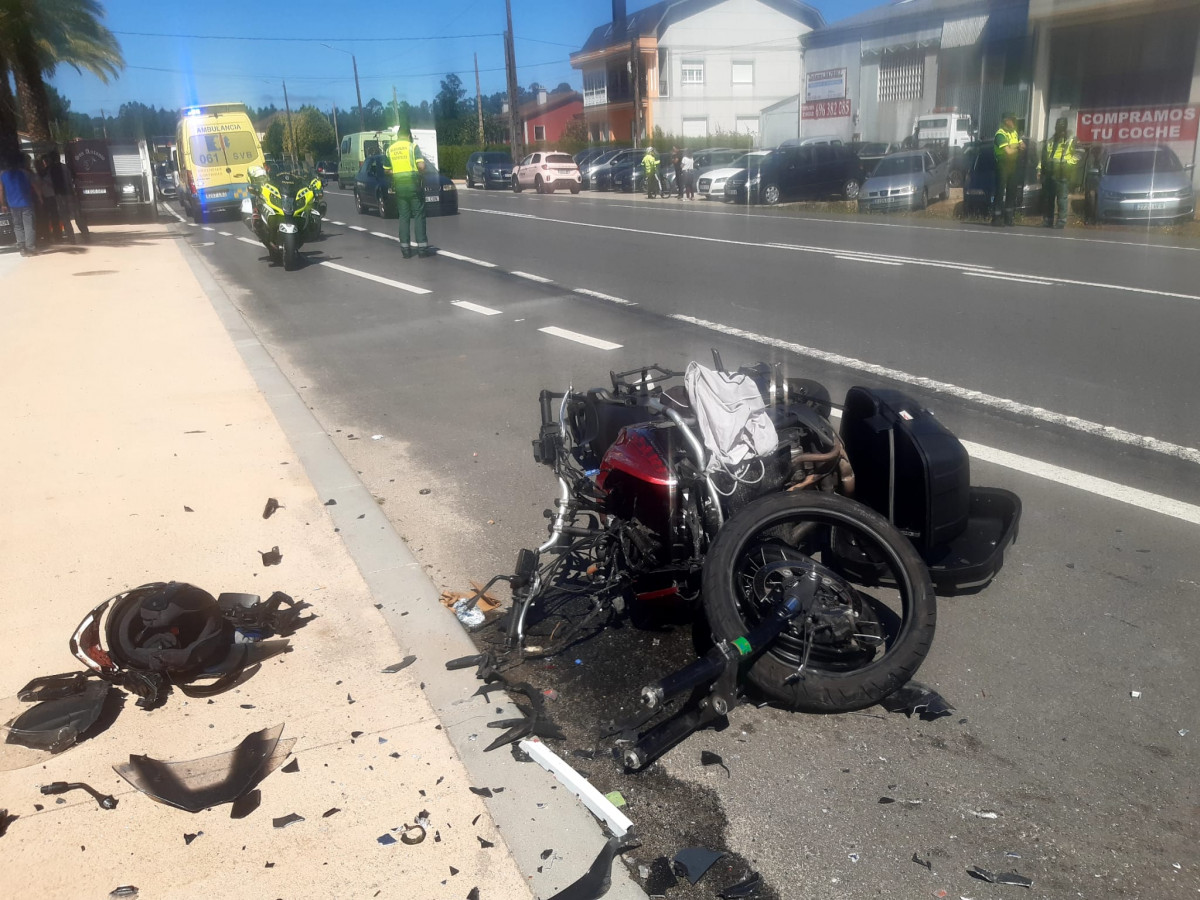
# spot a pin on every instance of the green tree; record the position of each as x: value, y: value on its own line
x: 314, y: 134
x: 448, y: 102
x: 273, y: 140
x: 36, y: 36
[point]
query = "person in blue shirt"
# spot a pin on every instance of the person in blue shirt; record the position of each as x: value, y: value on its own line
x: 19, y: 193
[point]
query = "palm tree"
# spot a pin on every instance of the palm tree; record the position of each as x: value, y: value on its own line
x: 38, y: 35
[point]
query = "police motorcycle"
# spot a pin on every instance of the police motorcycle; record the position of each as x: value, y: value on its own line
x: 285, y: 209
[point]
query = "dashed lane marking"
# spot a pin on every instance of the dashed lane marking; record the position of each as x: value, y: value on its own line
x: 472, y: 260
x: 356, y: 227
x: 1015, y: 278
x: 390, y: 237
x: 475, y: 307
x: 208, y: 228
x: 246, y: 240
x: 868, y: 259
x: 1096, y: 429
x: 399, y: 285
x: 537, y: 278
x: 335, y: 222
x: 578, y: 338
x: 225, y: 233
x: 609, y: 297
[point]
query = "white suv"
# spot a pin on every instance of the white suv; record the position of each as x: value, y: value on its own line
x: 546, y: 171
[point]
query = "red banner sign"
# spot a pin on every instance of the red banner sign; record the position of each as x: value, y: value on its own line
x: 1137, y: 124
x: 826, y: 109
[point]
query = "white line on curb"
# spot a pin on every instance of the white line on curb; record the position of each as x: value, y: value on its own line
x: 579, y: 338
x: 1095, y: 429
x: 411, y: 288
x: 537, y: 278
x: 609, y: 297
x: 475, y: 307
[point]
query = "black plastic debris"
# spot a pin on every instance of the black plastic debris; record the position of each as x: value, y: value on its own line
x: 269, y: 509
x: 747, y: 887
x: 122, y: 892
x: 662, y: 876
x: 693, y: 862
x: 484, y: 845
x: 473, y: 894
x: 268, y: 865
x: 271, y: 557
x: 596, y: 880
x: 292, y: 768
x: 424, y: 491
x: 5, y: 819
x: 403, y: 664
x: 246, y: 804
x: 53, y: 687
x: 481, y: 791
x: 412, y: 834
x: 385, y: 839
x: 188, y: 838
x: 1000, y: 877
x: 584, y: 754
x: 106, y: 801
x: 547, y: 853
x: 453, y: 871
x: 519, y: 755
x: 927, y: 863
x: 477, y: 818
x: 330, y: 812
x: 350, y: 699
x: 916, y: 698
x: 188, y: 509
x: 285, y: 821
x: 709, y: 758
x: 212, y: 780
x: 56, y: 723
x: 331, y: 502
x: 355, y: 735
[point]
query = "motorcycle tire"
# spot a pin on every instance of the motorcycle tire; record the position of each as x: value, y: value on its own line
x: 274, y: 252
x: 291, y: 252
x: 835, y: 677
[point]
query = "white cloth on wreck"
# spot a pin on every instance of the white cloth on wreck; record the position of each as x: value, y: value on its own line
x: 731, y: 414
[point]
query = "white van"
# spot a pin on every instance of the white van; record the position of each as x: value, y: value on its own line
x: 356, y: 147
x: 944, y: 129
x: 216, y: 145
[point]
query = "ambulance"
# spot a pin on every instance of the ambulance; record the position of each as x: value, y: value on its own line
x: 215, y: 146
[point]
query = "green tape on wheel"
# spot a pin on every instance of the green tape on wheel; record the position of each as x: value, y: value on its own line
x: 743, y: 646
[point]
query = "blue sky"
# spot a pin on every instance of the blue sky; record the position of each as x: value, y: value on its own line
x: 406, y: 44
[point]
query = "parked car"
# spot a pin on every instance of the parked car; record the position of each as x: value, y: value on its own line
x: 795, y: 173
x: 373, y: 190
x: 711, y: 184
x: 1137, y: 182
x: 905, y: 181
x: 492, y: 168
x: 586, y: 156
x: 327, y: 170
x: 979, y: 180
x: 871, y: 152
x: 632, y: 176
x: 546, y: 171
x: 600, y: 175
x: 165, y: 187
x: 588, y: 167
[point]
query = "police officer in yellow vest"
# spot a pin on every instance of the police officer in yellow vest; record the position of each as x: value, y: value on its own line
x: 404, y: 162
x: 1058, y: 165
x: 1009, y: 150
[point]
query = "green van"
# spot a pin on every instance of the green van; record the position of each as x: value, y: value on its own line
x: 357, y: 147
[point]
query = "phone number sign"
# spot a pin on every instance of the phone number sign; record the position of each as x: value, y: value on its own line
x: 826, y: 109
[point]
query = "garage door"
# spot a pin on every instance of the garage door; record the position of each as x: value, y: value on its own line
x: 695, y: 128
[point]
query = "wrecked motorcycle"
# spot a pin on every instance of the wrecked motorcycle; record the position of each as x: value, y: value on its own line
x: 812, y: 558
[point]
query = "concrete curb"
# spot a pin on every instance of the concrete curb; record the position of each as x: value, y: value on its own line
x: 532, y: 813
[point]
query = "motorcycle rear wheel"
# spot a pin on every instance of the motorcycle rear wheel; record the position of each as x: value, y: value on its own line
x: 788, y: 535
x: 291, y: 252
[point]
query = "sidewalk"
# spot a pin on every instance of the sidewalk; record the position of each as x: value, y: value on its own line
x: 139, y: 448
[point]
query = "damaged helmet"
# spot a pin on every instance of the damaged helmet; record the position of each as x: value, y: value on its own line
x: 170, y: 627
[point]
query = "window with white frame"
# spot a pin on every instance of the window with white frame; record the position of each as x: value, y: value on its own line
x: 664, y: 74
x: 539, y: 132
x: 901, y: 75
x: 743, y: 73
x: 595, y: 88
x: 692, y: 72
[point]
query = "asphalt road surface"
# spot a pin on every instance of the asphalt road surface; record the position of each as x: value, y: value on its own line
x: 1065, y: 361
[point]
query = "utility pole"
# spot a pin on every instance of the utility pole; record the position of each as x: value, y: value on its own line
x: 478, y: 100
x: 362, y: 125
x: 396, y: 106
x: 337, y: 141
x: 292, y: 133
x: 635, y: 76
x: 510, y: 55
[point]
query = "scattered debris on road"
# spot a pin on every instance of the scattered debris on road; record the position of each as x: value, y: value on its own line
x: 594, y: 883
x: 271, y: 557
x: 916, y: 698
x: 692, y: 862
x: 403, y: 664
x: 105, y: 801
x: 709, y: 758
x: 999, y: 878
x: 271, y: 507
x: 285, y: 821
x: 744, y: 888
x: 926, y: 863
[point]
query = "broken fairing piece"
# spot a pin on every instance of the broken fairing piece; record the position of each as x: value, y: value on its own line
x: 285, y: 821
x: 124, y: 892
x: 271, y: 557
x: 661, y: 877
x: 744, y: 888
x: 105, y: 801
x: 595, y: 882
x: 915, y: 697
x: 269, y: 509
x: 200, y: 783
x: 53, y: 725
x: 403, y: 664
x: 292, y: 768
x: 385, y: 839
x: 412, y: 834
x: 999, y: 878
x: 6, y: 820
x: 926, y: 863
x: 53, y: 687
x: 245, y: 804
x: 693, y: 862
x: 618, y: 823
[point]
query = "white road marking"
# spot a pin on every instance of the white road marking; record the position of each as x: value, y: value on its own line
x: 537, y: 278
x: 400, y: 285
x: 193, y: 224
x: 501, y: 212
x: 887, y: 257
x: 205, y: 244
x: 208, y: 228
x: 475, y: 307
x: 357, y: 228
x: 579, y: 338
x: 335, y: 222
x: 1111, y: 490
x: 172, y: 211
x: 224, y: 234
x: 1190, y: 454
x: 459, y: 256
x: 609, y: 297
x: 390, y: 237
x: 868, y: 259
x: 833, y: 252
x: 1016, y: 278
x: 246, y: 240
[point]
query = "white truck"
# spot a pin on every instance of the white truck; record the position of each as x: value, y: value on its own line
x: 949, y: 131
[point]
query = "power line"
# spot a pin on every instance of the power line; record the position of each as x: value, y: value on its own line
x: 317, y: 40
x: 275, y: 75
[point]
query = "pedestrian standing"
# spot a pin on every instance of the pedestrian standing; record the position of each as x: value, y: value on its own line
x: 403, y: 161
x: 1058, y: 165
x: 650, y: 168
x: 64, y: 197
x: 677, y: 164
x: 1009, y: 150
x: 689, y: 174
x: 19, y: 194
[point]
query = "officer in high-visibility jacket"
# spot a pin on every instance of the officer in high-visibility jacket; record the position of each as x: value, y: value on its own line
x: 1058, y: 165
x: 1009, y: 150
x: 403, y: 161
x: 650, y: 169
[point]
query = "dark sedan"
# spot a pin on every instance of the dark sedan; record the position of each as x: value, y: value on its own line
x: 979, y: 181
x: 373, y: 190
x: 798, y: 173
x: 489, y: 169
